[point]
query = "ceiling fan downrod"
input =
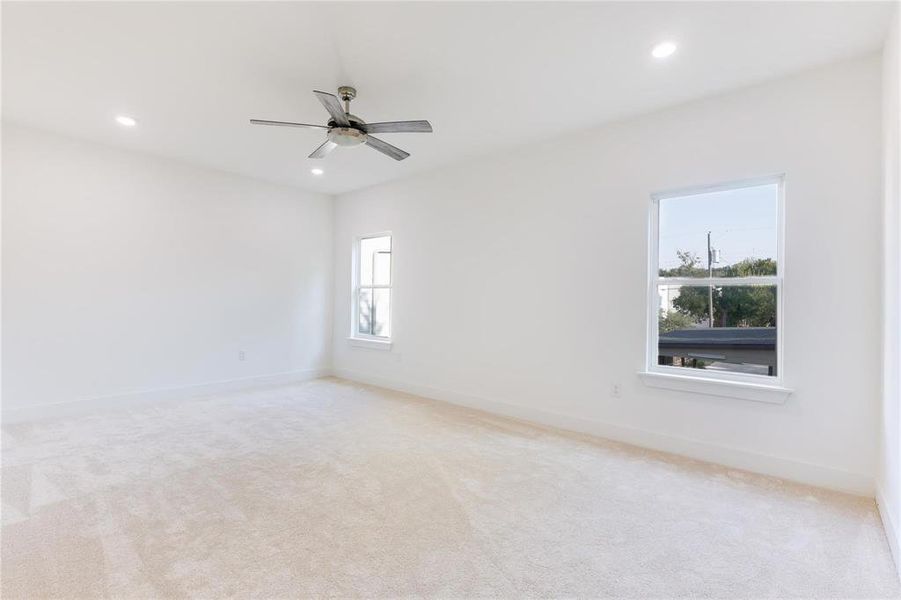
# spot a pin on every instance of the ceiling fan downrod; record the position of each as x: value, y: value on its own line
x: 347, y: 94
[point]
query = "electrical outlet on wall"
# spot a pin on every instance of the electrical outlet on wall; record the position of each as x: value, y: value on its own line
x: 616, y: 391
x: 241, y: 355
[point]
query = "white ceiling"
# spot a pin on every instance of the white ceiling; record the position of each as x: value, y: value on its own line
x: 487, y: 75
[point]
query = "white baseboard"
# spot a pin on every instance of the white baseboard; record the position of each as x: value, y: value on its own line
x: 130, y: 400
x: 816, y: 475
x: 890, y: 532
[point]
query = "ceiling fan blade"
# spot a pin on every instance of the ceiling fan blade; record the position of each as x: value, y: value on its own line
x: 286, y: 124
x: 399, y: 127
x: 333, y: 106
x: 326, y: 147
x: 386, y: 148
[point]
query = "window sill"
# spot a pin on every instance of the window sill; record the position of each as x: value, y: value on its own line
x: 371, y: 344
x: 757, y: 392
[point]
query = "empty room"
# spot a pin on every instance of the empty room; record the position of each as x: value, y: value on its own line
x: 450, y: 300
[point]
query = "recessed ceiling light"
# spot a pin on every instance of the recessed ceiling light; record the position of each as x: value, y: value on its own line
x: 126, y: 121
x: 663, y: 49
x: 317, y: 171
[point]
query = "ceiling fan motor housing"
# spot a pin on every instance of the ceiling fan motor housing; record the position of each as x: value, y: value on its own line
x: 348, y: 136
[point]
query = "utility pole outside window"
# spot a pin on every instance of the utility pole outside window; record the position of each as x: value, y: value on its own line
x: 712, y: 257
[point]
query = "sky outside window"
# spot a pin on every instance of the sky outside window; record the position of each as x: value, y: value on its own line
x: 742, y: 223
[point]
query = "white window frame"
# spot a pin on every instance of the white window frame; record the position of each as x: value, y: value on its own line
x: 741, y: 385
x: 356, y: 338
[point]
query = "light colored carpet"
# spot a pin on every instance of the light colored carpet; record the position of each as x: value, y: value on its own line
x: 335, y: 489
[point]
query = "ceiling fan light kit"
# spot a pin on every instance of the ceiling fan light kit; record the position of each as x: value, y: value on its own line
x: 346, y: 129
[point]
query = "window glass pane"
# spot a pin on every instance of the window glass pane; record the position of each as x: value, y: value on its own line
x: 381, y: 267
x: 375, y: 261
x: 727, y: 233
x: 381, y: 312
x: 739, y: 337
x: 365, y: 312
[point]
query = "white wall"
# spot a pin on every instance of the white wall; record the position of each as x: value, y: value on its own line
x: 125, y: 273
x: 889, y: 474
x: 521, y: 279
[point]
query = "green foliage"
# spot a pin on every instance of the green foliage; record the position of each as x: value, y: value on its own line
x: 690, y: 266
x: 673, y: 320
x: 744, y: 306
x: 693, y: 302
x: 749, y: 267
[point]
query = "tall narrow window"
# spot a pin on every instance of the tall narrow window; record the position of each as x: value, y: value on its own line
x: 716, y: 282
x: 372, y: 289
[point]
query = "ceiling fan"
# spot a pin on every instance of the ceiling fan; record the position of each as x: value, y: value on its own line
x: 346, y: 129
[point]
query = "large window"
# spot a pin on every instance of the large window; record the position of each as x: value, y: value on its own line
x: 716, y: 282
x: 372, y: 288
